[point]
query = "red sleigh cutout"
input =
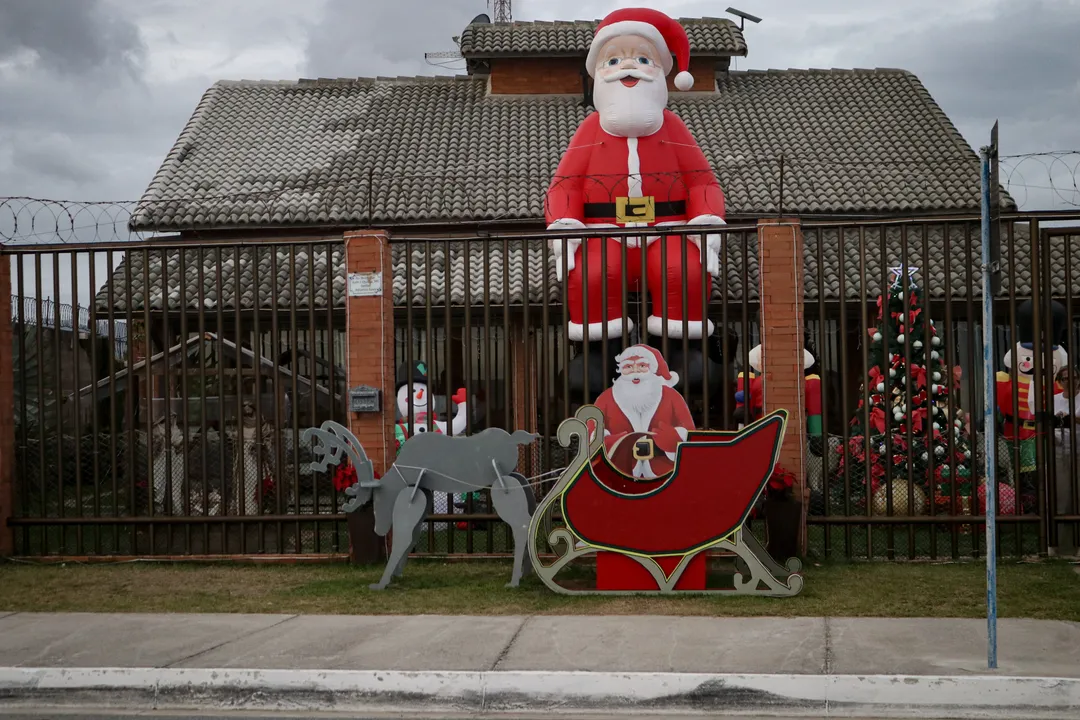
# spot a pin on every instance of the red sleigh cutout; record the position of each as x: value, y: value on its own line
x: 665, y: 525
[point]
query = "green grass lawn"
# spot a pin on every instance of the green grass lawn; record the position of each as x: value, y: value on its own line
x: 1047, y: 590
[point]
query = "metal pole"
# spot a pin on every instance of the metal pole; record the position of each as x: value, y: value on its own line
x: 988, y: 420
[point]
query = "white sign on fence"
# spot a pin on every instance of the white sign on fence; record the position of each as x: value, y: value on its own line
x: 365, y: 284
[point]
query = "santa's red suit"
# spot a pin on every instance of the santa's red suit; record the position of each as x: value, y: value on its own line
x: 603, y: 173
x: 662, y: 422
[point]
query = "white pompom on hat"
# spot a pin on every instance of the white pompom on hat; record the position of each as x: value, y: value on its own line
x: 667, y: 34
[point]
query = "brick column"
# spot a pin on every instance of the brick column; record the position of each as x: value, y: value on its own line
x: 780, y: 263
x: 370, y: 352
x: 7, y: 413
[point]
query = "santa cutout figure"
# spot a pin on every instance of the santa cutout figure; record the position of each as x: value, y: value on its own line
x: 633, y: 163
x: 644, y: 418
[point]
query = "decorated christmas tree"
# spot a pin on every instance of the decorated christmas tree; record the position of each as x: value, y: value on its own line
x: 907, y: 390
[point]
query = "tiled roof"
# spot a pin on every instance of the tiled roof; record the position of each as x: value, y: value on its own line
x: 495, y: 256
x: 708, y: 36
x: 441, y: 150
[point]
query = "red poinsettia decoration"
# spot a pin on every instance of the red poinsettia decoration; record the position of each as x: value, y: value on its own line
x: 345, y: 476
x: 780, y: 484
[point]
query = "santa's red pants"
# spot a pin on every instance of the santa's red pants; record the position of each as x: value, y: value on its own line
x: 598, y: 274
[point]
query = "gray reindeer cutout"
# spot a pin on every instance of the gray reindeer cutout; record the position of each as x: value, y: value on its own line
x: 428, y: 463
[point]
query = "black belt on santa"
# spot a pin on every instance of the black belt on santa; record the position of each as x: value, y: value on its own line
x: 602, y: 211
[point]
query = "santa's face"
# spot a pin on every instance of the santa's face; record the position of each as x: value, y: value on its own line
x: 637, y: 386
x: 630, y: 91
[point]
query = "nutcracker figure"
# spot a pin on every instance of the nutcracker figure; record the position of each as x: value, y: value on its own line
x: 633, y: 163
x: 1017, y: 401
x: 749, y: 391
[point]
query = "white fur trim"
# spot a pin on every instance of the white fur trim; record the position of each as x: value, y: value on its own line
x: 598, y: 331
x: 628, y: 27
x: 808, y: 359
x: 754, y: 358
x: 684, y: 81
x: 683, y: 433
x: 675, y: 328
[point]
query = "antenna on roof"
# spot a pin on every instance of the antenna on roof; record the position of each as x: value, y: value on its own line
x: 743, y: 17
x: 502, y: 10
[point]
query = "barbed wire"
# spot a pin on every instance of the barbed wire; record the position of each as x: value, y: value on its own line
x: 753, y: 185
x: 1052, y: 175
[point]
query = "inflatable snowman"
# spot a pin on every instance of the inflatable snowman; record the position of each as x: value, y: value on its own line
x: 417, y: 421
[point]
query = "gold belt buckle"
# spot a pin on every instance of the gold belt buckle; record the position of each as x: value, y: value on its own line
x: 635, y: 209
x: 644, y: 449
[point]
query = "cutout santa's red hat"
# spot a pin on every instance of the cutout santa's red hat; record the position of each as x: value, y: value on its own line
x: 667, y: 34
x: 657, y: 363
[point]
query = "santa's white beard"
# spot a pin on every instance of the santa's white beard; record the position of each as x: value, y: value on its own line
x: 638, y: 402
x: 630, y: 111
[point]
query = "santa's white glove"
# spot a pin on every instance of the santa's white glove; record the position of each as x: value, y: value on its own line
x: 572, y: 245
x: 713, y: 242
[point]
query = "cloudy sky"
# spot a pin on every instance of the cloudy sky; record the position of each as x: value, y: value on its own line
x: 94, y: 92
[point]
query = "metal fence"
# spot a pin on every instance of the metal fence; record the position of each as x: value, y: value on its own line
x: 188, y: 442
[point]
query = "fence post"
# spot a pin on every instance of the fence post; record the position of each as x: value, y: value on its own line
x: 989, y: 427
x: 7, y: 413
x: 780, y: 268
x: 369, y: 345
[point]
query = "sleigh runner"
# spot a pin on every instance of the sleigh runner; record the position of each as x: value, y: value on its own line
x: 665, y: 525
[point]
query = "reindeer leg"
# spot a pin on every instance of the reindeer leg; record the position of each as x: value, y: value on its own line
x: 400, y: 569
x: 513, y: 507
x: 408, y: 512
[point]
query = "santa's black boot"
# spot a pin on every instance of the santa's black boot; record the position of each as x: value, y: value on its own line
x: 691, y: 365
x: 601, y: 369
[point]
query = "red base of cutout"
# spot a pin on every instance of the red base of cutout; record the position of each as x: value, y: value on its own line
x: 615, y: 571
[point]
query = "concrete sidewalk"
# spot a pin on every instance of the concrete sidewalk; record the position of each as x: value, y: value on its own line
x: 769, y: 661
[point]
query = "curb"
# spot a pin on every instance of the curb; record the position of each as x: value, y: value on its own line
x: 557, y: 692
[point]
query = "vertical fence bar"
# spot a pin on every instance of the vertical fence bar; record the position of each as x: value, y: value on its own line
x: 706, y: 296
x: 186, y: 426
x: 200, y: 299
x: 950, y: 363
x: 1039, y: 385
x: 824, y: 382
x: 277, y: 470
x: 40, y: 338
x: 844, y: 399
x: 313, y: 379
x: 908, y: 385
x: 76, y: 425
x: 725, y: 355
x: 586, y: 335
x: 95, y: 461
x: 57, y: 393
x: 932, y: 409
x: 988, y: 416
x: 686, y: 320
x: 256, y: 362
x: 294, y: 405
x: 973, y: 386
x: 887, y: 362
x: 1014, y: 386
x: 1071, y: 390
x: 239, y: 472
x: 331, y: 347
x: 22, y: 387
x: 545, y: 351
x: 448, y: 344
x: 468, y: 368
x: 149, y: 402
x: 219, y: 327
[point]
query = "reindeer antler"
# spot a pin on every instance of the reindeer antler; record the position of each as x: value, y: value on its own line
x: 336, y: 439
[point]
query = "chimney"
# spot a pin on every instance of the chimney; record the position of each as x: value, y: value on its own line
x: 548, y: 58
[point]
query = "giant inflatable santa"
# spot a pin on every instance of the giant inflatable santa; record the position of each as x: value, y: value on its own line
x: 644, y: 418
x: 633, y: 163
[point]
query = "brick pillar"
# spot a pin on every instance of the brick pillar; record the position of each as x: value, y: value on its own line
x: 780, y: 262
x: 370, y: 351
x: 7, y: 414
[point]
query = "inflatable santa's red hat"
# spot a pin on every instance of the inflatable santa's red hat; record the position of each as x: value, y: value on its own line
x: 667, y: 34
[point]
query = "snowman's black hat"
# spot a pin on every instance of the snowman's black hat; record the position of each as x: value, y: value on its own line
x: 418, y: 371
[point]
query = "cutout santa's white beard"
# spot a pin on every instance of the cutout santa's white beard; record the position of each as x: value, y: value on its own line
x: 636, y: 111
x: 638, y: 401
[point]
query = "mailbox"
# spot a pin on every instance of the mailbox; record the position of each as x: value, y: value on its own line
x: 365, y: 399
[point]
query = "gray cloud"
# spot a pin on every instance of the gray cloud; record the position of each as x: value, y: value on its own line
x: 70, y: 37
x: 93, y: 93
